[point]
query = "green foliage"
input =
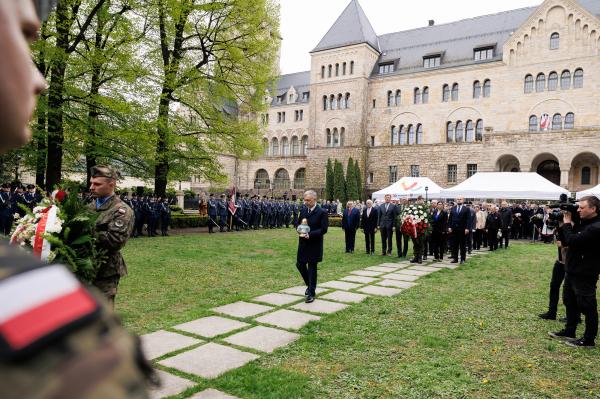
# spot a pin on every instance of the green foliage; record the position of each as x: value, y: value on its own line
x: 351, y: 189
x: 329, y: 181
x: 190, y: 194
x: 339, y: 183
x: 358, y: 175
x: 182, y: 221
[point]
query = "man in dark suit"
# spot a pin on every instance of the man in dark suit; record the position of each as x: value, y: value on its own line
x: 459, y: 223
x: 439, y: 224
x: 350, y: 223
x: 369, y: 226
x: 387, y: 218
x: 310, y: 245
x: 401, y: 238
x: 506, y: 217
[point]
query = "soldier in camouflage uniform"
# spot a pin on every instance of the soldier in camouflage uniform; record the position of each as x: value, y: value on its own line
x: 81, y: 351
x: 113, y: 227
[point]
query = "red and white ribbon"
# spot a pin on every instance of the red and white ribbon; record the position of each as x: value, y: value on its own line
x: 41, y: 247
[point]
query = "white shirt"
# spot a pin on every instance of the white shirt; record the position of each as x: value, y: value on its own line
x: 312, y: 209
x: 368, y: 211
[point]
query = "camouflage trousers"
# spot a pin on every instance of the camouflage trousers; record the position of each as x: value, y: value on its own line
x: 108, y: 286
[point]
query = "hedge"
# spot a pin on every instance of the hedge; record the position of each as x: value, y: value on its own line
x: 179, y: 221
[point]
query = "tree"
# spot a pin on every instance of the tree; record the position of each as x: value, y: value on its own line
x: 358, y: 175
x: 339, y: 183
x: 329, y: 181
x: 351, y: 181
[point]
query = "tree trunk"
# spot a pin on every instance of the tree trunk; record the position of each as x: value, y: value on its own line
x: 161, y: 170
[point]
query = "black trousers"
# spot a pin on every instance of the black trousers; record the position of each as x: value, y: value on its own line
x: 505, y: 237
x: 370, y: 241
x: 478, y: 238
x: 386, y: 240
x: 419, y: 247
x: 492, y: 236
x: 308, y: 271
x: 402, y: 244
x: 469, y: 241
x: 459, y: 241
x: 558, y: 275
x: 350, y: 235
x: 579, y: 297
x: 438, y: 243
x: 5, y: 223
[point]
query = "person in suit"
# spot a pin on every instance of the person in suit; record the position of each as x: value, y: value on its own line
x: 506, y: 216
x: 369, y: 226
x: 493, y: 223
x: 401, y: 238
x: 439, y: 224
x: 350, y: 223
x: 459, y: 223
x: 387, y: 218
x: 310, y: 245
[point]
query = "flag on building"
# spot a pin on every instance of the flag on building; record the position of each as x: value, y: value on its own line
x: 545, y: 122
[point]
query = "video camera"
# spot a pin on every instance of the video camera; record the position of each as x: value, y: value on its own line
x: 564, y: 204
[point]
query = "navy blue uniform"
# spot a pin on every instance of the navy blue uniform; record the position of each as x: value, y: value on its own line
x: 212, y: 214
x: 6, y: 216
x: 165, y: 217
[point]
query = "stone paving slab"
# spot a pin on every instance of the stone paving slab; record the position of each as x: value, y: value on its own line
x: 287, y: 319
x: 320, y: 306
x: 359, y: 279
x: 449, y: 265
x: 212, y: 394
x: 212, y: 326
x: 343, y: 296
x: 300, y: 289
x: 381, y: 291
x: 341, y: 285
x: 169, y: 385
x: 396, y: 283
x: 162, y: 342
x: 264, y: 339
x: 431, y: 268
x: 385, y: 269
x: 402, y: 277
x: 242, y: 309
x: 396, y: 265
x: 277, y: 299
x: 367, y: 273
x: 412, y: 272
x: 210, y: 360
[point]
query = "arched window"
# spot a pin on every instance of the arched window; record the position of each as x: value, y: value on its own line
x: 282, y: 180
x: 540, y: 82
x: 479, y: 130
x: 552, y: 81
x: 347, y: 101
x: 533, y: 123
x: 337, y: 69
x: 342, y: 136
x: 333, y: 102
x: 402, y: 137
x: 419, y: 134
x: 336, y: 137
x: 578, y: 79
x: 449, y: 132
x: 569, y: 120
x: 328, y: 135
x: 340, y: 101
x: 425, y: 95
x: 295, y: 146
x: 265, y: 144
x: 557, y: 122
x: 390, y: 98
x: 459, y: 134
x: 417, y: 96
x: 325, y: 103
x: 397, y: 102
x: 304, y: 145
x: 487, y: 88
x: 299, y: 178
x: 285, y: 147
x: 455, y: 92
x: 528, y: 85
x: 261, y: 179
x: 476, y: 89
x: 411, y: 134
x: 351, y: 67
x: 565, y: 80
x: 323, y: 72
x: 394, y: 135
x: 329, y: 71
x: 469, y: 137
x: 275, y: 147
x: 586, y: 175
x: 445, y: 93
x: 343, y: 68
x: 554, y: 41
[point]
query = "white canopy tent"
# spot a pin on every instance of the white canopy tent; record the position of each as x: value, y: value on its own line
x: 409, y: 187
x: 506, y: 185
x: 590, y: 191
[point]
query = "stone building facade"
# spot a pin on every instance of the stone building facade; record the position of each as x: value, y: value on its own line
x: 513, y: 91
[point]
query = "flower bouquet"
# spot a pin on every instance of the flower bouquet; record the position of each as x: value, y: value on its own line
x: 415, y: 220
x: 61, y: 229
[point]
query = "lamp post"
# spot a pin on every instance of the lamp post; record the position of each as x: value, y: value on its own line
x: 426, y: 189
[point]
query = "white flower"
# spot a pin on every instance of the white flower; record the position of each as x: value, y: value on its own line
x: 38, y: 209
x: 55, y: 227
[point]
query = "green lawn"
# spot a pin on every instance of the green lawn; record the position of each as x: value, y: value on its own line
x: 465, y: 333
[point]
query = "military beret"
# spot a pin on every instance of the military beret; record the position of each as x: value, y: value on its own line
x: 105, y: 171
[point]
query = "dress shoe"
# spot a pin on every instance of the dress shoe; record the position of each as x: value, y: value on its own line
x: 454, y: 261
x: 310, y: 299
x: 306, y: 292
x: 462, y: 262
x: 581, y: 343
x: 562, y: 334
x: 547, y: 316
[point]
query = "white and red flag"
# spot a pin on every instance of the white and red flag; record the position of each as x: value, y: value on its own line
x: 232, y: 207
x: 544, y: 122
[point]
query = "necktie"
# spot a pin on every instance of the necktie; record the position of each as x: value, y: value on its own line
x: 386, y: 207
x: 459, y: 208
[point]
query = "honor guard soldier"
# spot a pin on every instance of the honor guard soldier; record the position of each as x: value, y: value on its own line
x: 212, y: 213
x: 151, y: 214
x: 265, y: 213
x: 31, y: 197
x: 222, y: 206
x: 6, y: 215
x: 165, y: 217
x: 18, y: 199
x: 247, y: 212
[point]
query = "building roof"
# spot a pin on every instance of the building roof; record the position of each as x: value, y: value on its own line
x: 351, y: 27
x: 299, y: 80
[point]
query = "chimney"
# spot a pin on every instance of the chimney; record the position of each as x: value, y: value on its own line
x: 431, y: 22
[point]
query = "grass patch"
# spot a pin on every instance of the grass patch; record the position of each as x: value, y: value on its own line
x: 466, y: 333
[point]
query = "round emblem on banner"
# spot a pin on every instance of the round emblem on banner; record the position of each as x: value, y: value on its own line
x: 119, y: 223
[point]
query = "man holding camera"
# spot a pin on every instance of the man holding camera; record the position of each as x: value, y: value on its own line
x: 582, y: 269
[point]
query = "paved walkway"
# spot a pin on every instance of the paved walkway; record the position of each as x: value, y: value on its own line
x: 210, y: 346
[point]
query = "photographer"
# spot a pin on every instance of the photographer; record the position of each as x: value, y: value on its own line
x: 582, y: 268
x: 558, y: 275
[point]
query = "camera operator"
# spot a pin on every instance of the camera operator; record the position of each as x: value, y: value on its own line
x: 582, y: 268
x: 558, y: 275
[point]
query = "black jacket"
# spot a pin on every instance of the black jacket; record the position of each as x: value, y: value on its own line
x: 439, y: 225
x: 493, y: 221
x: 459, y: 221
x: 506, y: 217
x: 311, y: 250
x: 369, y: 224
x: 387, y: 219
x: 583, y: 256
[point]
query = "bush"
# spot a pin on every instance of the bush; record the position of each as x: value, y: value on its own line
x: 187, y: 221
x: 176, y: 208
x: 335, y: 221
